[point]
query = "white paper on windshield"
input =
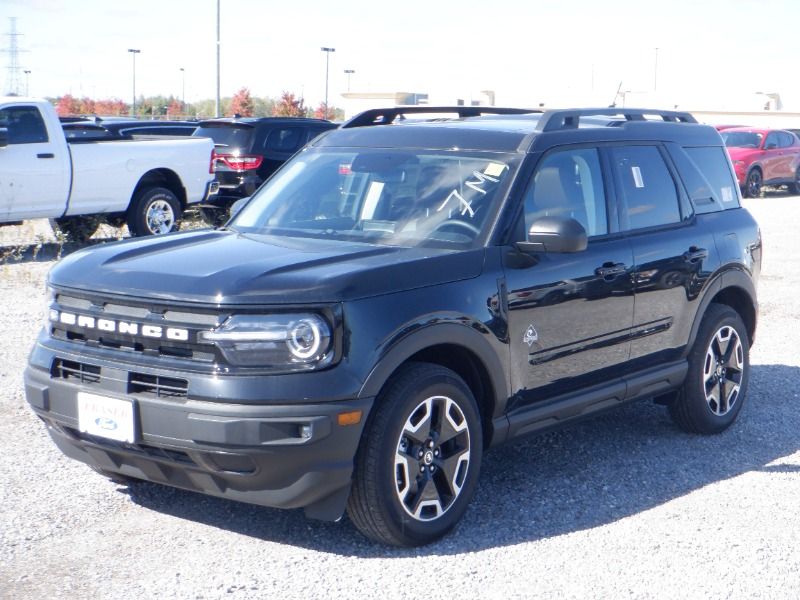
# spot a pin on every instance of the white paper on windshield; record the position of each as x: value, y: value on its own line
x: 637, y: 177
x: 494, y: 170
x: 727, y: 194
x: 371, y: 201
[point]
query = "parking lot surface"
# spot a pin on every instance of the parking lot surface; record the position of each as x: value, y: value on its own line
x: 624, y: 504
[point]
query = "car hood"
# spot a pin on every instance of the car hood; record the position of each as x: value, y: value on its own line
x: 226, y: 267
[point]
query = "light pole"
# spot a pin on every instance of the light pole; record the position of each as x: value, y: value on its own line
x: 27, y: 88
x: 183, y: 90
x: 349, y: 72
x: 217, y: 102
x: 134, y: 52
x: 327, y: 52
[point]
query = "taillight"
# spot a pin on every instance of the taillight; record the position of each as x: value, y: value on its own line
x: 240, y: 162
x: 213, y: 163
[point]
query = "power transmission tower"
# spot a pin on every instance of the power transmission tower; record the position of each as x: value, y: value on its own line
x: 13, y: 80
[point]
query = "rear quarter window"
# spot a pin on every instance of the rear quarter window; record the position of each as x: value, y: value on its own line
x: 708, y: 178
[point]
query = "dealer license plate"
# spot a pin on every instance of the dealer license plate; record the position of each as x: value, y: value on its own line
x: 106, y: 417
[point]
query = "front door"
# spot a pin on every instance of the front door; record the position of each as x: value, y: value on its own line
x: 570, y: 314
x: 34, y: 178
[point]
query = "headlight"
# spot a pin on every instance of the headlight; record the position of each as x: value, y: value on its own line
x: 301, y: 341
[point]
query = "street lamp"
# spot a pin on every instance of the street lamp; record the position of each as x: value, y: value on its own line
x: 327, y: 52
x: 183, y: 90
x: 349, y: 72
x: 27, y: 88
x: 134, y: 52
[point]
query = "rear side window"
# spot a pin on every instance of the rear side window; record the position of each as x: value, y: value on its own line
x: 227, y: 136
x: 25, y: 125
x: 287, y: 139
x: 646, y: 187
x: 708, y: 178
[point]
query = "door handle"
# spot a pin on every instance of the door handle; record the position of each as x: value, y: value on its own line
x: 695, y: 254
x: 610, y: 269
x: 46, y: 155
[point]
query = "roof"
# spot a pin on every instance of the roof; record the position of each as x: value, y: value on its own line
x: 253, y: 121
x: 512, y: 130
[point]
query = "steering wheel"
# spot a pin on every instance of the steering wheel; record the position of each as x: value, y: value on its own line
x: 458, y: 223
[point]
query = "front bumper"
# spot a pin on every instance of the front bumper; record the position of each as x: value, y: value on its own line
x: 283, y: 456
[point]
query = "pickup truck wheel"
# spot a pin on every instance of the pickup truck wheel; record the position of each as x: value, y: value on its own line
x: 75, y: 229
x: 752, y: 185
x: 154, y: 211
x: 719, y: 369
x: 418, y: 463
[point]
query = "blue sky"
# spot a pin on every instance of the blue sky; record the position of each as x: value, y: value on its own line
x: 711, y: 53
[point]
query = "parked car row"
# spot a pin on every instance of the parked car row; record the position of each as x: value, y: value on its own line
x: 763, y: 157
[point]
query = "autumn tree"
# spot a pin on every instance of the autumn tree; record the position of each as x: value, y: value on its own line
x: 322, y: 113
x: 67, y: 105
x: 241, y: 104
x: 175, y: 108
x: 111, y: 107
x: 289, y: 106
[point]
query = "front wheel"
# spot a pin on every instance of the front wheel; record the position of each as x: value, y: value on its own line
x: 752, y: 186
x: 719, y: 369
x: 154, y: 211
x: 418, y: 463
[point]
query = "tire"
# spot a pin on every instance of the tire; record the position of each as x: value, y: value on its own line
x: 418, y: 463
x: 719, y: 370
x: 794, y: 188
x: 753, y: 184
x: 154, y: 211
x: 75, y: 229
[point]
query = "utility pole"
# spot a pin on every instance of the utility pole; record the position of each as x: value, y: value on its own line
x: 27, y: 82
x: 348, y: 72
x: 183, y: 90
x: 134, y: 52
x: 13, y: 79
x: 327, y: 52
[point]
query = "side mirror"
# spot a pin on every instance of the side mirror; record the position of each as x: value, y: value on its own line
x: 555, y: 234
x: 770, y: 146
x: 238, y: 205
x: 3, y: 137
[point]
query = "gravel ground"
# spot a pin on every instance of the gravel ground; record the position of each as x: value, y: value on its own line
x: 624, y: 505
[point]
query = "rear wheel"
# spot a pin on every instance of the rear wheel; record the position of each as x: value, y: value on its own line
x: 154, y: 211
x: 719, y: 369
x: 753, y: 183
x: 418, y: 464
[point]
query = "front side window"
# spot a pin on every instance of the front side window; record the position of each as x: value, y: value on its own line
x: 569, y: 183
x: 390, y: 197
x: 742, y: 139
x: 25, y: 125
x: 646, y: 187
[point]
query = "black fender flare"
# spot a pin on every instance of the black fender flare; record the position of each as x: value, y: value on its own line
x: 731, y: 278
x: 458, y: 334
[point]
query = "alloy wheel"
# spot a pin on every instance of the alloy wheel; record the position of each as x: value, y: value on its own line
x: 160, y: 217
x: 723, y: 370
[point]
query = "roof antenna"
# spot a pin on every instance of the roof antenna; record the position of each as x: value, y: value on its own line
x: 614, y: 103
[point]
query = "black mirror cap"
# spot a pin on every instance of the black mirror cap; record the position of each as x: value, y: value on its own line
x: 3, y: 137
x: 555, y: 234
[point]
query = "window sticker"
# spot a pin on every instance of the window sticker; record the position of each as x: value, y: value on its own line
x: 637, y: 177
x: 727, y: 194
x: 494, y: 169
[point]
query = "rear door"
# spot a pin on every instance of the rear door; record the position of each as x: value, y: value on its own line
x: 673, y: 252
x: 34, y: 170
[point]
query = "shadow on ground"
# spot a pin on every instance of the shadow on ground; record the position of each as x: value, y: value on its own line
x: 601, y: 470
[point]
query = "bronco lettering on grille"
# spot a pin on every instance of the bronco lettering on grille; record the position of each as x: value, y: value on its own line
x: 176, y: 334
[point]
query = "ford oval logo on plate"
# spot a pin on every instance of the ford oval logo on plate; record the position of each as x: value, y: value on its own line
x: 105, y: 423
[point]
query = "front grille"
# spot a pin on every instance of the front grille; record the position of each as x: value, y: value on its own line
x: 73, y: 370
x: 157, y: 385
x: 97, y: 322
x: 142, y: 449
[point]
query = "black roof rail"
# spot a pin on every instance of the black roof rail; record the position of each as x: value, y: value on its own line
x: 385, y: 116
x: 553, y: 120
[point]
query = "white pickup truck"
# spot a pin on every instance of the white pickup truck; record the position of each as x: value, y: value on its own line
x: 146, y: 183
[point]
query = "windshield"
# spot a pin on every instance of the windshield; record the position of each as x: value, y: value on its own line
x: 742, y: 139
x: 227, y: 135
x: 392, y: 197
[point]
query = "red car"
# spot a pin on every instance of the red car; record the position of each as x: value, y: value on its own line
x: 763, y: 157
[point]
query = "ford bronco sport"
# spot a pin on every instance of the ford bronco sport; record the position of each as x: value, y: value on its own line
x: 401, y: 296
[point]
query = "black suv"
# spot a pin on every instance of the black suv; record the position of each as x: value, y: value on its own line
x: 400, y: 297
x: 99, y: 129
x: 250, y: 149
